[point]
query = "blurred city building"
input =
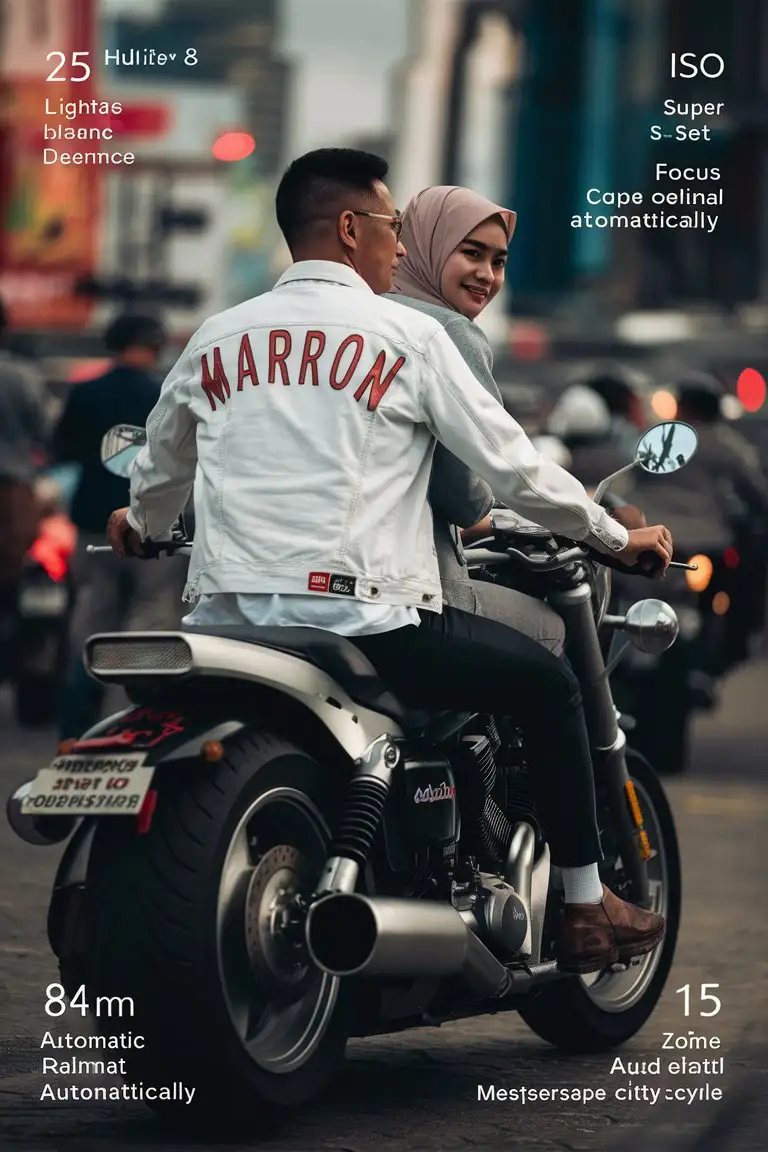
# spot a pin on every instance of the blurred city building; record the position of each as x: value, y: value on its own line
x: 532, y: 103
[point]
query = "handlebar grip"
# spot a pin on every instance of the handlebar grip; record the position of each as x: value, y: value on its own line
x: 650, y: 563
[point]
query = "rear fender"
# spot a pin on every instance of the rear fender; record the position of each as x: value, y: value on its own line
x: 166, y: 736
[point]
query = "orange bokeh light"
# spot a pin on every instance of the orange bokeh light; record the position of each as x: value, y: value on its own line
x: 233, y: 146
x: 751, y: 389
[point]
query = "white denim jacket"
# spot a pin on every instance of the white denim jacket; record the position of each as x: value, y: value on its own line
x: 306, y: 419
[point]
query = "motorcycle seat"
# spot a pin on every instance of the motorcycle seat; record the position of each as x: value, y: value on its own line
x: 342, y: 660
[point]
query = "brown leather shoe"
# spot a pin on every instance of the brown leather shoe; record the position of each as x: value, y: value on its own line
x: 594, y: 936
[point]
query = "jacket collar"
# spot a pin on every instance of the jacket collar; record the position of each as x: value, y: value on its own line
x: 327, y: 270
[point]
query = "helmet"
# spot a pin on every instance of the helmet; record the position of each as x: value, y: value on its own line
x: 579, y: 412
x: 615, y: 387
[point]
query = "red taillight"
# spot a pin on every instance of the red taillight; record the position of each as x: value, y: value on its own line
x: 54, y: 546
x: 144, y: 818
x: 731, y: 558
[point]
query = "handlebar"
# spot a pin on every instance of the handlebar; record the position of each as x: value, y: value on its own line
x: 150, y: 550
x: 648, y: 563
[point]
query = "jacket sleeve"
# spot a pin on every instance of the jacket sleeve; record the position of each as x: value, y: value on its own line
x: 476, y: 428
x: 163, y: 473
x: 456, y: 492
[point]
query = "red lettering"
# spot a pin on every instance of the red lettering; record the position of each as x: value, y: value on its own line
x: 309, y: 359
x: 276, y: 357
x: 246, y: 365
x: 378, y: 386
x: 214, y: 384
x: 360, y: 342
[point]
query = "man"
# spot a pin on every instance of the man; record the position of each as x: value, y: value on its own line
x: 110, y: 595
x: 23, y: 433
x: 306, y: 418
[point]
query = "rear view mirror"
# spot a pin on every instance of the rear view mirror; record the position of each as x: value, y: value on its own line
x: 666, y: 448
x: 120, y: 447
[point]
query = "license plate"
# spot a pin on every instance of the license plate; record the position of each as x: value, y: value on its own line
x: 90, y: 786
x: 44, y: 600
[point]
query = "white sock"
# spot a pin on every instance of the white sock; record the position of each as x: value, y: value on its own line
x: 582, y: 885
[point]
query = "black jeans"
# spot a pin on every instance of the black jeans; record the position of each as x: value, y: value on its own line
x: 457, y: 661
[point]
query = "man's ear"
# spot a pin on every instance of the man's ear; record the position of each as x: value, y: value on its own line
x: 347, y: 226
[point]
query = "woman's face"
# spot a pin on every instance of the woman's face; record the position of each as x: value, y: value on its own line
x: 474, y: 272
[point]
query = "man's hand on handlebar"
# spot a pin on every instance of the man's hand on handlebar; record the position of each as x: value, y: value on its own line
x: 649, y: 548
x: 124, y: 539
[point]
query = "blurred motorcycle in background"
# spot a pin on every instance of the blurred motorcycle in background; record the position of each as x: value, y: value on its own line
x: 35, y: 628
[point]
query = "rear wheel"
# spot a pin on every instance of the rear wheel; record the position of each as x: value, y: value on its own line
x: 600, y: 1011
x: 194, y: 922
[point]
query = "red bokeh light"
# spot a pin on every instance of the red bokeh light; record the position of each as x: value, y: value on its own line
x: 233, y: 146
x: 751, y: 389
x: 731, y: 558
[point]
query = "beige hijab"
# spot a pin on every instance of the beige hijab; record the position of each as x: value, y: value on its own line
x: 434, y: 224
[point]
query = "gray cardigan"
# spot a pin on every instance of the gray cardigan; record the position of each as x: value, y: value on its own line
x: 459, y: 497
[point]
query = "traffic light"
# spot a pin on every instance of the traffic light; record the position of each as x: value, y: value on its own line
x: 172, y: 219
x: 140, y: 292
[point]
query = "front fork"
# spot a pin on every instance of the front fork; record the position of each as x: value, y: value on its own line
x: 607, y: 741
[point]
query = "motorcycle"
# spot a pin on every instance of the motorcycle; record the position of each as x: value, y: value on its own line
x: 268, y: 853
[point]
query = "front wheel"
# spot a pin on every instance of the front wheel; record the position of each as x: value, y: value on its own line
x: 605, y: 1009
x: 195, y: 922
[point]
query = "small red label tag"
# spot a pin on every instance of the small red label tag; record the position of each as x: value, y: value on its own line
x: 319, y: 581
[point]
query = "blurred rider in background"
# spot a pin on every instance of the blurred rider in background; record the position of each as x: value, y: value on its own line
x: 110, y: 595
x: 625, y: 407
x: 582, y: 421
x: 23, y: 434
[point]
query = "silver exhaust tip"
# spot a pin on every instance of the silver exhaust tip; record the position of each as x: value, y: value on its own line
x: 381, y: 936
x: 43, y: 831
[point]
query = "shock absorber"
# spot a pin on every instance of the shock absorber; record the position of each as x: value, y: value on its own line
x: 359, y: 822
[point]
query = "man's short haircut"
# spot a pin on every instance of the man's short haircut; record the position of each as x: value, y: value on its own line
x: 134, y: 331
x: 318, y: 183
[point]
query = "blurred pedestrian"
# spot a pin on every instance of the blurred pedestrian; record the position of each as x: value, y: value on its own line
x: 23, y: 434
x: 110, y: 595
x: 456, y: 245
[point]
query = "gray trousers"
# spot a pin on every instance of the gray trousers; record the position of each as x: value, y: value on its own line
x: 524, y: 613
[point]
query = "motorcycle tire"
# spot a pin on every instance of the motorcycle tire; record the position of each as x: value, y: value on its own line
x: 153, y: 915
x: 570, y: 1014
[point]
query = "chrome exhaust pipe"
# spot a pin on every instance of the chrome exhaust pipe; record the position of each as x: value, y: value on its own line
x: 43, y: 831
x: 353, y: 935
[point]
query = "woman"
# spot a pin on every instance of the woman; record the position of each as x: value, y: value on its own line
x: 456, y: 252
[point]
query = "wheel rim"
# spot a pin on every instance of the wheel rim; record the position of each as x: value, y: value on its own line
x: 279, y: 1011
x: 620, y: 991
